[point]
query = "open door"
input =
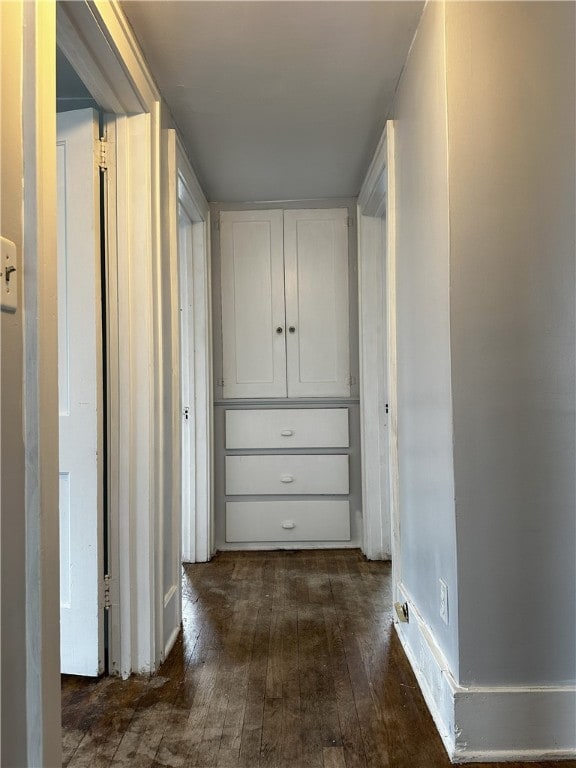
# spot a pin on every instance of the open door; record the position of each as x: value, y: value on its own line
x: 80, y: 372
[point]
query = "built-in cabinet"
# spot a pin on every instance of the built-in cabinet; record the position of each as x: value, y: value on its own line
x: 285, y: 309
x: 315, y: 475
x: 285, y: 473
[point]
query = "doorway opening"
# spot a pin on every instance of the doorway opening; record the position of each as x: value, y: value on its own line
x: 195, y: 366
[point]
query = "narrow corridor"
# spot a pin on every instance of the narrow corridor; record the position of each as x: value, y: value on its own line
x: 286, y: 660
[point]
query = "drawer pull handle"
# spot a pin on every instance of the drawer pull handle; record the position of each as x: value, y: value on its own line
x: 286, y: 479
x: 288, y: 524
x: 287, y: 432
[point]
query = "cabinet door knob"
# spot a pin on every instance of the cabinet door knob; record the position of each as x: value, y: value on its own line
x: 287, y: 432
x: 279, y: 329
x: 288, y: 524
x: 286, y: 479
x: 292, y: 329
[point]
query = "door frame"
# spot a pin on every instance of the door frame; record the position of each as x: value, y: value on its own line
x: 97, y: 40
x: 378, y: 389
x: 99, y: 43
x: 197, y: 507
x: 40, y: 394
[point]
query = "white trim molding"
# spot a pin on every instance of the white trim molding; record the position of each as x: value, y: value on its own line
x: 372, y: 196
x: 100, y: 45
x: 197, y: 509
x: 41, y: 386
x: 376, y: 299
x: 488, y: 723
x: 189, y: 188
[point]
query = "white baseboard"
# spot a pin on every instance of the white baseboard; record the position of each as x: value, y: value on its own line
x: 432, y: 673
x: 506, y: 724
x: 489, y: 724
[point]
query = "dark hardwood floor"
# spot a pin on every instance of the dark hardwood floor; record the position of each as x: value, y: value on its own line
x: 286, y: 660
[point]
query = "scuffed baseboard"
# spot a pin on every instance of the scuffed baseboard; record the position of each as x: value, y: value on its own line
x: 489, y: 724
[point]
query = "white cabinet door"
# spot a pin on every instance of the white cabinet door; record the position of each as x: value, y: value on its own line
x: 80, y: 395
x: 253, y: 316
x: 317, y: 311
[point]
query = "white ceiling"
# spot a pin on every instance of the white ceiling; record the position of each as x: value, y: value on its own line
x: 277, y: 100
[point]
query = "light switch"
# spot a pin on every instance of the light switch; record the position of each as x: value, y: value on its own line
x: 8, y: 276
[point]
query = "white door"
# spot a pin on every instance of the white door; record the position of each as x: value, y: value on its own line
x: 317, y: 307
x: 253, y: 316
x: 80, y: 381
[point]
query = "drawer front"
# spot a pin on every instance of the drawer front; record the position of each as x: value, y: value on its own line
x: 287, y: 428
x: 286, y: 474
x: 249, y: 521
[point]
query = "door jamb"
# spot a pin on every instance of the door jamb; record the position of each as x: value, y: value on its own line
x: 198, y: 546
x: 379, y: 452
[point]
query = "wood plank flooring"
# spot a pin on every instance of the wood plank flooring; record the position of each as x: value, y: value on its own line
x: 286, y: 660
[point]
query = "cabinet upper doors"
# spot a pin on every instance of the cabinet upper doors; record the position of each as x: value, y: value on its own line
x: 285, y: 313
x: 317, y: 315
x: 253, y: 316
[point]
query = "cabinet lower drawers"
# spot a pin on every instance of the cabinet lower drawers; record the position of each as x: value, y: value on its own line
x: 287, y: 474
x: 287, y: 428
x: 316, y: 520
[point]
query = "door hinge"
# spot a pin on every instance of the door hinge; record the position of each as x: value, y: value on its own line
x: 102, y: 154
x: 217, y: 225
x: 107, y: 600
x: 351, y: 380
x: 186, y: 413
x: 219, y: 382
x: 349, y: 221
x: 386, y: 408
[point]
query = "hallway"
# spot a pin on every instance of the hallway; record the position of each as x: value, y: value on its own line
x: 287, y: 659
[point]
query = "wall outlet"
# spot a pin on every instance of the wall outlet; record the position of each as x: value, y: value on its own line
x: 402, y: 612
x: 443, y: 601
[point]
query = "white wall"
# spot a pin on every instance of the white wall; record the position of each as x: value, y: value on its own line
x: 485, y: 231
x: 426, y: 492
x: 511, y: 86
x: 13, y: 701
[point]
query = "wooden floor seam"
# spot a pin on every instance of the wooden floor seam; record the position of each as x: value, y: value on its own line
x: 286, y: 659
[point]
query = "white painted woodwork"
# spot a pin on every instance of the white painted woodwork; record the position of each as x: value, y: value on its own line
x: 169, y: 538
x: 80, y: 395
x: 132, y: 477
x: 101, y: 46
x: 188, y: 412
x: 377, y: 308
x: 31, y: 702
x: 373, y: 387
x: 392, y: 360
x: 281, y: 474
x: 253, y: 317
x: 195, y: 365
x: 317, y: 306
x: 316, y: 520
x: 287, y: 428
x: 285, y: 303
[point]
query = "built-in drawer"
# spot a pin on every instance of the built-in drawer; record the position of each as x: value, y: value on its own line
x: 286, y: 474
x: 315, y: 520
x: 287, y: 428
